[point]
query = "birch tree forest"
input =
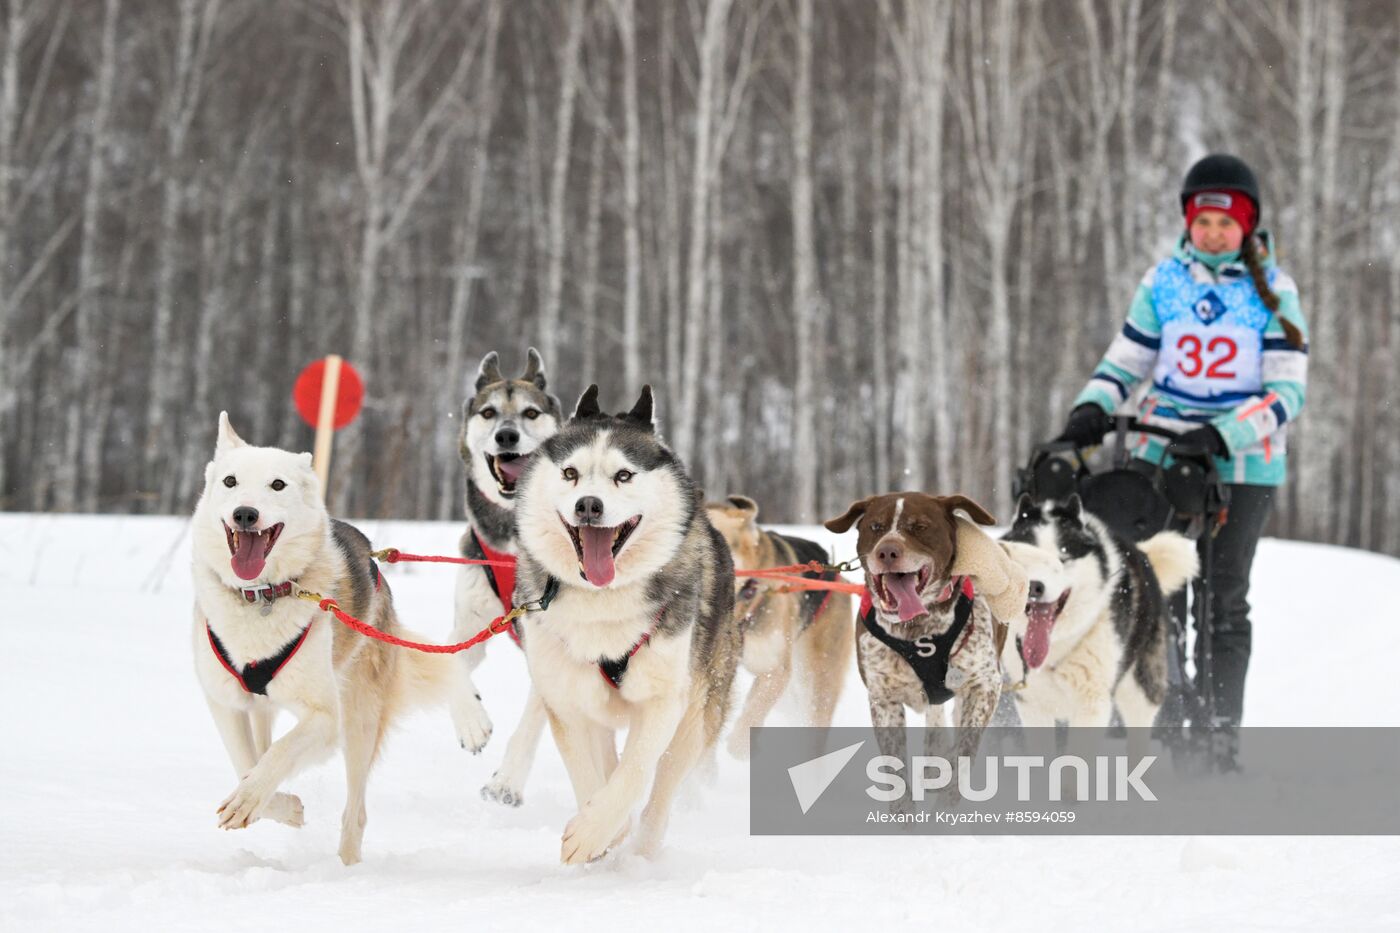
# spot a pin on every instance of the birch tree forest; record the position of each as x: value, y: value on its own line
x: 856, y: 245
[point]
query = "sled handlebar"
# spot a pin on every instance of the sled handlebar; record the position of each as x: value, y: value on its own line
x: 1133, y: 426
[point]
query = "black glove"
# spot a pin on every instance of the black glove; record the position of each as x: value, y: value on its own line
x: 1205, y: 439
x: 1087, y: 425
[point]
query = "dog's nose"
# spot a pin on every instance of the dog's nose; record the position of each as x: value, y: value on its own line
x: 888, y: 551
x: 1036, y: 592
x: 589, y: 510
x: 245, y: 517
x: 507, y: 437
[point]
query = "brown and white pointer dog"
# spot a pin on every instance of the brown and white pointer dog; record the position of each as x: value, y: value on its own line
x: 924, y: 637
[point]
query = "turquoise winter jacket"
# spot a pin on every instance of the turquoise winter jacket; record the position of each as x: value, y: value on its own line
x: 1215, y: 355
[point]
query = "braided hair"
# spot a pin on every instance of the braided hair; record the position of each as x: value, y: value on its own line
x: 1253, y: 254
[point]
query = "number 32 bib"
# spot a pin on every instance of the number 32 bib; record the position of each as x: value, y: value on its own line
x: 1212, y: 337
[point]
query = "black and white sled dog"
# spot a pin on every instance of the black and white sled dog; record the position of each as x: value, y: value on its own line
x: 639, y: 630
x: 1096, y: 630
x: 260, y: 533
x: 503, y: 424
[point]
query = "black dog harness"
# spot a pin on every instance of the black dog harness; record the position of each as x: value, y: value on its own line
x: 611, y: 669
x: 931, y: 669
x: 256, y: 675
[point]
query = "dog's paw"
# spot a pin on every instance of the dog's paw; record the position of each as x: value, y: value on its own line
x: 242, y: 807
x: 285, y: 809
x: 471, y: 721
x: 502, y: 791
x: 590, y: 835
x: 349, y: 852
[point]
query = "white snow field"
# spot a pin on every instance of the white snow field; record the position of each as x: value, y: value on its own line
x: 111, y: 772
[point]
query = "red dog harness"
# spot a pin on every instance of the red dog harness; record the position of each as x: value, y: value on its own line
x: 502, y: 579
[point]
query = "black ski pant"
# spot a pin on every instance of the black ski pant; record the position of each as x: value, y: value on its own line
x: 1232, y: 556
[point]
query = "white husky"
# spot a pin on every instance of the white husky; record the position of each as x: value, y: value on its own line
x: 260, y: 534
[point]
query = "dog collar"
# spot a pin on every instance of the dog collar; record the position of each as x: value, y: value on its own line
x: 267, y: 594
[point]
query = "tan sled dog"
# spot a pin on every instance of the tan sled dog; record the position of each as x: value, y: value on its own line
x: 811, y: 630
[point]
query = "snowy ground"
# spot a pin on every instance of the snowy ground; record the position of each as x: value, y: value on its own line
x: 111, y: 773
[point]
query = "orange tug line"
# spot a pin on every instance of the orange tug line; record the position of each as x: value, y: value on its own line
x: 783, y: 575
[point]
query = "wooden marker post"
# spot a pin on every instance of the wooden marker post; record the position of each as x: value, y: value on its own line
x: 325, y: 420
x: 328, y: 394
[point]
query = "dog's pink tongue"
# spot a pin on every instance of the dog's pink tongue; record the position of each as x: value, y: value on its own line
x: 248, y: 559
x: 905, y: 590
x: 1036, y: 645
x: 598, y: 566
x: 510, y: 470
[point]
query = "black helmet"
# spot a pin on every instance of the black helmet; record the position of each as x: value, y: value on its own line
x: 1218, y: 171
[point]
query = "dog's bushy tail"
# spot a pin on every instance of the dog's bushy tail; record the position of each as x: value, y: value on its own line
x: 1173, y: 559
x: 423, y: 678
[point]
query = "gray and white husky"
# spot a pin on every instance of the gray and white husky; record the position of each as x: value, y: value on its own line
x: 503, y: 424
x: 260, y: 533
x: 639, y: 632
x: 1095, y: 634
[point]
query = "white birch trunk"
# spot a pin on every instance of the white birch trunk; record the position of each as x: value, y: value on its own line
x: 805, y: 460
x: 549, y: 330
x: 626, y: 13
x: 702, y: 177
x: 73, y: 492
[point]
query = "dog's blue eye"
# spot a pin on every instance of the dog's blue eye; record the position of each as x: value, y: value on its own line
x: 623, y: 476
x: 230, y: 481
x: 877, y: 527
x: 278, y: 485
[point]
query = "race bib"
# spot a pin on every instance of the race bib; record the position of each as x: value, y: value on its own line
x: 1209, y: 361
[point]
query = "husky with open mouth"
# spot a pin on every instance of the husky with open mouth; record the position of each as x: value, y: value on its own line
x: 639, y: 631
x: 503, y: 424
x: 1095, y: 633
x: 261, y: 533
